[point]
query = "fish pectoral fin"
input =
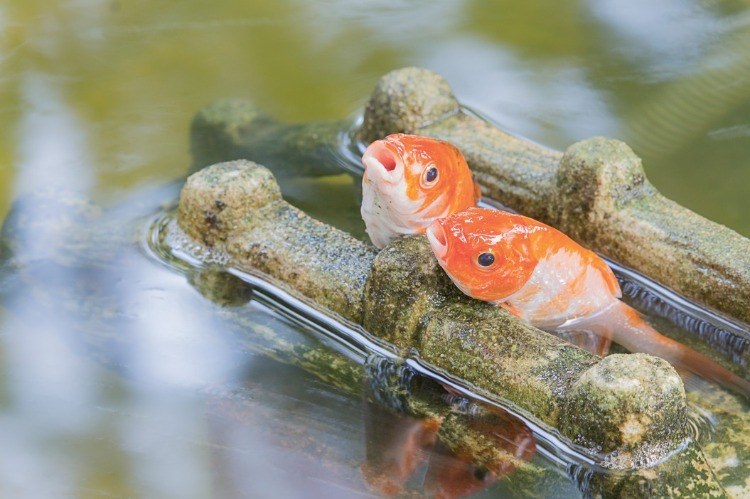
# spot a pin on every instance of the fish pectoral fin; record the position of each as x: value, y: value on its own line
x: 510, y: 308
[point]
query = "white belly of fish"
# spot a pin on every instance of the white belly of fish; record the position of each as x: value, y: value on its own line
x: 385, y: 218
x: 547, y: 300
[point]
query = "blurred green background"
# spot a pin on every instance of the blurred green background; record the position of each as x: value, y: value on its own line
x: 98, y: 95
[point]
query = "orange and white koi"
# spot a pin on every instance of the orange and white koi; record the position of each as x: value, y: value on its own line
x: 398, y: 444
x: 409, y: 182
x: 542, y: 276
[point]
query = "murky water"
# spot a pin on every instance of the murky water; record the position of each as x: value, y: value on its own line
x: 119, y: 377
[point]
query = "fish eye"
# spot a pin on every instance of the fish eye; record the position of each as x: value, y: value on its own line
x: 486, y: 259
x: 431, y: 174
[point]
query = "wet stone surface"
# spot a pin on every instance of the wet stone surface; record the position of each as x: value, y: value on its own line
x: 625, y: 400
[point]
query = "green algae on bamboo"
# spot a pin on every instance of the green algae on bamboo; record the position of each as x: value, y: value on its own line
x: 402, y: 296
x: 728, y: 450
x: 614, y: 385
x: 237, y: 207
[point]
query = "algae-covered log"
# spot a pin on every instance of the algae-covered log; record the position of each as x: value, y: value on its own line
x: 236, y: 209
x: 596, y: 191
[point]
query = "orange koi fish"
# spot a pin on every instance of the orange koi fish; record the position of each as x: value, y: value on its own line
x: 410, y: 181
x: 542, y: 276
x: 398, y: 444
x: 456, y: 474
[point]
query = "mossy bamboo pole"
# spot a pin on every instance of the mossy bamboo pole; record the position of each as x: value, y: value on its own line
x: 401, y: 295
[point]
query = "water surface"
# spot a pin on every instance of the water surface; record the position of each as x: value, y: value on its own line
x: 123, y: 379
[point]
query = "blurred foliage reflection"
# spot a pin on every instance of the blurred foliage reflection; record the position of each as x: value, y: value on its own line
x: 111, y: 85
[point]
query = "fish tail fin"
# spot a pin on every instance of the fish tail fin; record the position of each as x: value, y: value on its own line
x: 630, y: 330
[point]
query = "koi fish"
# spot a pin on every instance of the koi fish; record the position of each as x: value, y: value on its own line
x: 409, y: 182
x: 545, y: 278
x: 398, y: 444
x: 456, y: 473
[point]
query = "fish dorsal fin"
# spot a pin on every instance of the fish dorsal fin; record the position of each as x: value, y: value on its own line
x: 477, y: 189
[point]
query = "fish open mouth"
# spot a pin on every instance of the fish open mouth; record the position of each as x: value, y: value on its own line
x: 378, y: 155
x: 438, y: 241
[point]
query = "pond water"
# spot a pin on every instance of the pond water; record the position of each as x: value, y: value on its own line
x: 119, y: 378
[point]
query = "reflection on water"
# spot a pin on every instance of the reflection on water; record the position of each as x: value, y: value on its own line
x: 398, y: 446
x: 100, y: 380
x: 129, y: 75
x: 446, y: 444
x: 119, y: 376
x: 50, y: 136
x: 283, y: 433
